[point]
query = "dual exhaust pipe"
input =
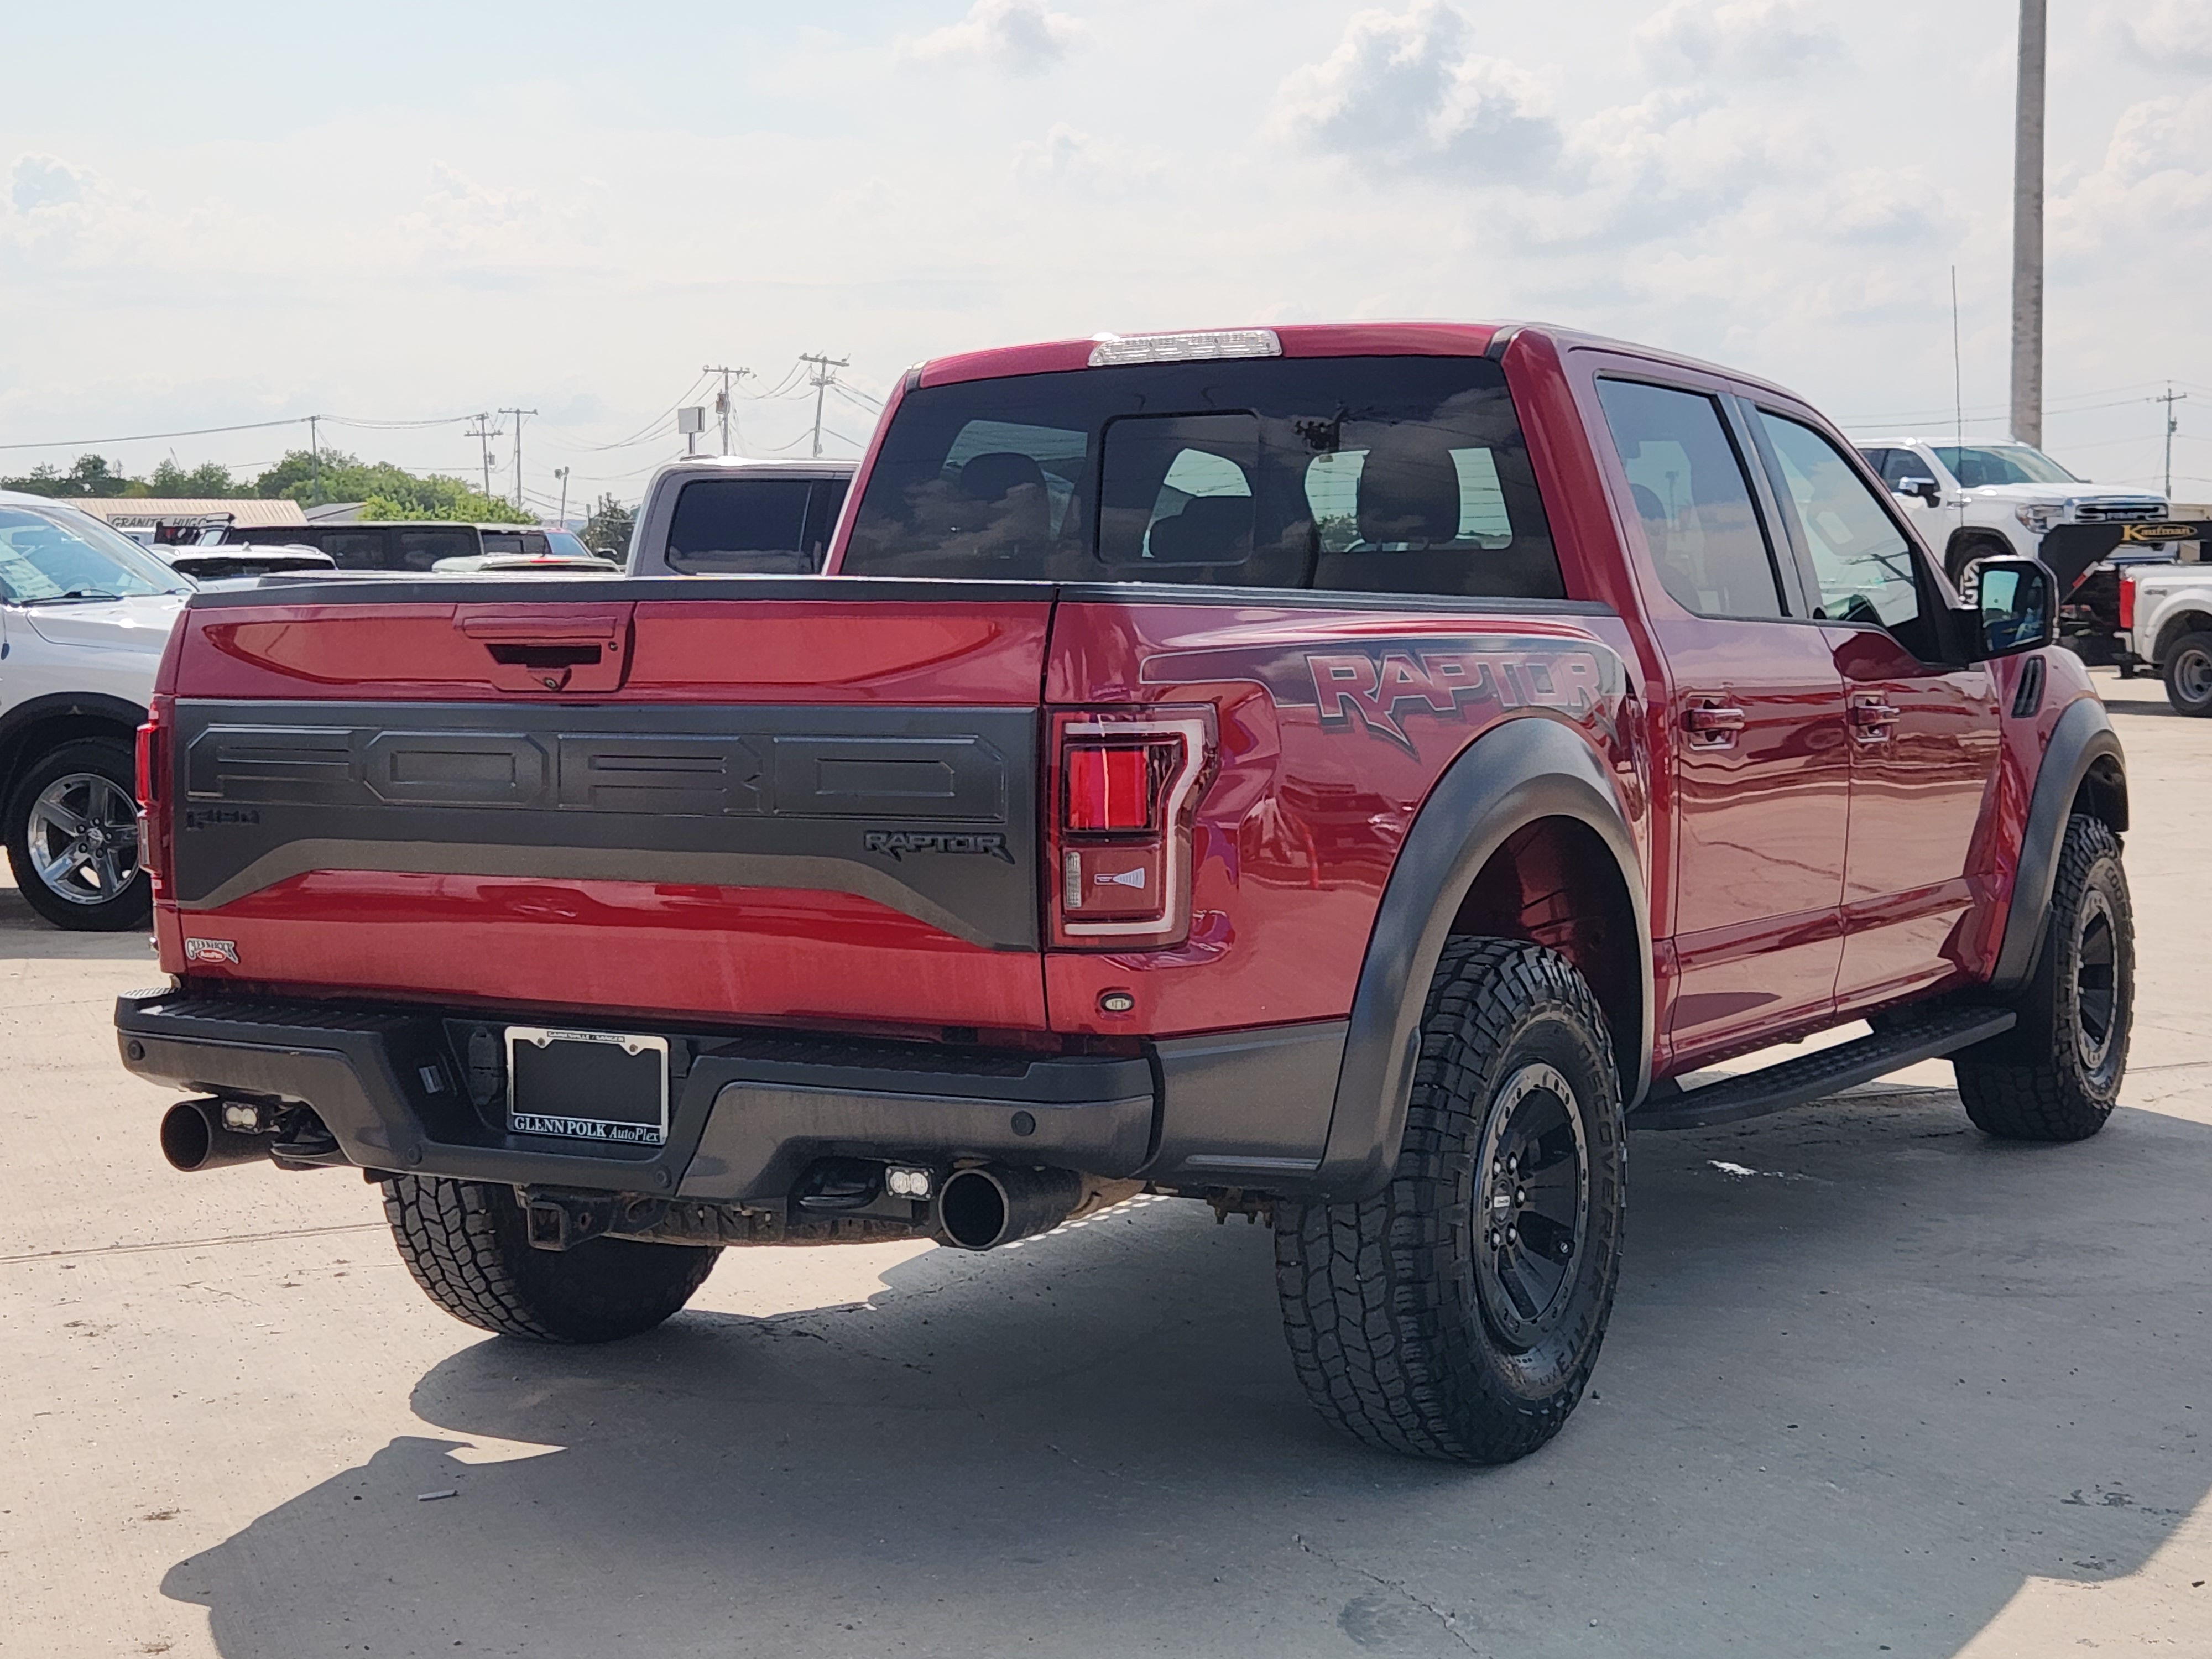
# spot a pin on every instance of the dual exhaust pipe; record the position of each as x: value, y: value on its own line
x: 195, y: 1137
x: 978, y: 1208
x: 993, y: 1203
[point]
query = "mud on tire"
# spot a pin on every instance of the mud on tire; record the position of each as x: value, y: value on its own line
x: 1457, y: 1314
x: 464, y: 1242
x: 2056, y: 1074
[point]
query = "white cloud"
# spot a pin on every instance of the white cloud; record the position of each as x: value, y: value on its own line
x: 41, y: 181
x: 2174, y: 34
x: 1066, y: 156
x: 1021, y: 36
x: 1768, y: 39
x: 2154, y: 188
x: 1404, y: 90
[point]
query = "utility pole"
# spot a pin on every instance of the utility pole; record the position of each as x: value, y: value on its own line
x: 2171, y: 398
x: 483, y: 431
x: 561, y: 473
x: 821, y: 382
x: 2027, y: 230
x: 730, y: 377
x: 518, y: 414
x: 315, y: 456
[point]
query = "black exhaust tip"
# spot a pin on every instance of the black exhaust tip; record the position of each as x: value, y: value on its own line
x: 193, y: 1139
x: 982, y: 1208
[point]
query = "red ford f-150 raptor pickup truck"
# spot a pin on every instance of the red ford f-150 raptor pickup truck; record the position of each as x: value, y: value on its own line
x: 1348, y: 774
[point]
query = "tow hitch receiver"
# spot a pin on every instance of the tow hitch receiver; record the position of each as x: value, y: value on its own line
x: 557, y: 1218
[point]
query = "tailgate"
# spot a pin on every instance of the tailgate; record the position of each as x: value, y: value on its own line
x: 784, y: 804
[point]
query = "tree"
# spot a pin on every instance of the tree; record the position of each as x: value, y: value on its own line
x: 385, y: 491
x: 610, y: 525
x: 209, y: 480
x: 88, y: 476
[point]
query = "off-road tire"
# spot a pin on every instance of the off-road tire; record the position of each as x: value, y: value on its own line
x: 100, y: 757
x: 1389, y: 1332
x: 2055, y: 1076
x: 2187, y: 671
x: 465, y: 1243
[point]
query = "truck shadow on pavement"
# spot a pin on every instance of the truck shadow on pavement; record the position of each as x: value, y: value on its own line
x: 1869, y: 1374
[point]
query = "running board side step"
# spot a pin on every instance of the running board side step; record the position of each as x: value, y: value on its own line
x: 1910, y: 1039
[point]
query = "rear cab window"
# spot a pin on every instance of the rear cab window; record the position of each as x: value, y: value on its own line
x: 774, y: 526
x: 1393, y: 475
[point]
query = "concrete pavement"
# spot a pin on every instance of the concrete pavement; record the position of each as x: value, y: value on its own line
x: 1875, y: 1384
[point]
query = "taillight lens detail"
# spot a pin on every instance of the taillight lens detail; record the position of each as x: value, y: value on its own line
x: 2127, y: 601
x: 1112, y: 788
x: 1125, y: 790
x: 150, y: 778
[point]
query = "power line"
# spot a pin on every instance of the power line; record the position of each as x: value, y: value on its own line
x: 152, y: 437
x: 824, y: 377
x: 722, y: 397
x: 518, y: 414
x: 484, y: 431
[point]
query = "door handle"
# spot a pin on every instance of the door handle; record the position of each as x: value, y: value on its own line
x: 1871, y: 718
x: 1713, y: 725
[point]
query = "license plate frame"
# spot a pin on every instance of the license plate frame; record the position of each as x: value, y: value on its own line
x: 606, y: 1087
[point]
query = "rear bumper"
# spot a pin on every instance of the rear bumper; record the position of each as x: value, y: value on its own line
x: 747, y: 1114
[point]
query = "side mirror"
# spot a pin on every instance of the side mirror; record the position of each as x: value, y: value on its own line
x: 1923, y: 488
x: 2015, y: 607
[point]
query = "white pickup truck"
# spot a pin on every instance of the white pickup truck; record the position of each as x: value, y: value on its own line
x: 84, y: 615
x: 720, y: 516
x: 1984, y: 500
x: 2166, y: 620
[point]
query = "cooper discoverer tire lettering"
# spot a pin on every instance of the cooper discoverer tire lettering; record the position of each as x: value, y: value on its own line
x: 466, y: 1244
x: 2056, y: 1074
x: 1457, y: 1314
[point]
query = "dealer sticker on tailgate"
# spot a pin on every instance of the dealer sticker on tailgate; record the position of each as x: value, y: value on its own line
x: 587, y: 1086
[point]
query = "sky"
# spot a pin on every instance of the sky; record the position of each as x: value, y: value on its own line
x: 236, y: 212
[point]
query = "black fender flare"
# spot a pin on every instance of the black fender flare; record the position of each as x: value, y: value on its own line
x: 59, y: 705
x: 2083, y: 736
x: 1529, y: 767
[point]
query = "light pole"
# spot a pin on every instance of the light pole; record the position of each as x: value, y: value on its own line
x: 561, y: 473
x: 2027, y: 230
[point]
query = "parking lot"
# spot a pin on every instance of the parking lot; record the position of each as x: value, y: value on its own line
x: 1875, y: 1384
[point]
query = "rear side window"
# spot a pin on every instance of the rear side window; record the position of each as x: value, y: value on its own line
x: 528, y: 542
x: 1694, y: 499
x: 1394, y: 475
x: 421, y: 549
x: 741, y: 525
x: 354, y: 549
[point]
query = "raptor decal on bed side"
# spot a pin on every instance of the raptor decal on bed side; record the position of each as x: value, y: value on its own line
x: 1377, y: 683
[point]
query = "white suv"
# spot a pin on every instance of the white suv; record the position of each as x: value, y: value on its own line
x: 84, y: 615
x: 1981, y: 501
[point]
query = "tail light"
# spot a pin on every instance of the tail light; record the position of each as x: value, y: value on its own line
x: 152, y: 782
x: 1125, y: 788
x: 2127, y: 602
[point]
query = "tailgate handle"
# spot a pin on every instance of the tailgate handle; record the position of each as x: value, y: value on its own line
x: 544, y: 630
x: 533, y: 651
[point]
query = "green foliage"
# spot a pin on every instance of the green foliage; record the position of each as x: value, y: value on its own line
x: 441, y: 498
x: 610, y: 525
x: 388, y: 491
x: 88, y: 476
x: 384, y: 490
x: 210, y: 479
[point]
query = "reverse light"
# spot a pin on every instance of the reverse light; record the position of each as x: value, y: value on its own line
x: 1126, y: 787
x: 1206, y: 345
